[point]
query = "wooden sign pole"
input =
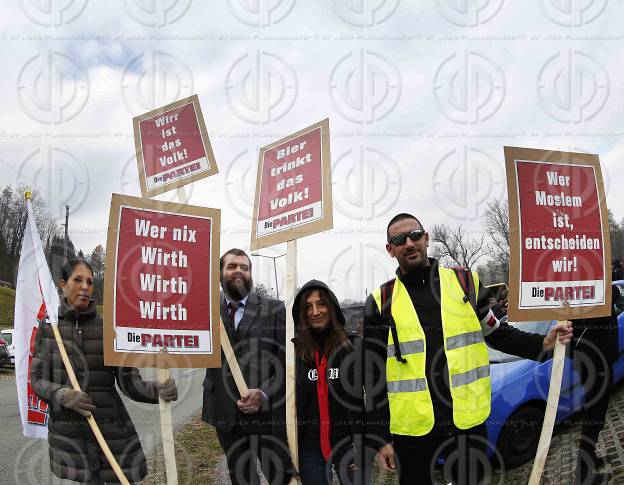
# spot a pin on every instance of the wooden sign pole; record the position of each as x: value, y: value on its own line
x: 166, y: 421
x: 556, y: 375
x: 91, y: 420
x: 239, y: 380
x: 291, y: 394
x: 166, y: 431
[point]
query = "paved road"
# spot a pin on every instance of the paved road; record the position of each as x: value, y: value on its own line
x: 24, y: 461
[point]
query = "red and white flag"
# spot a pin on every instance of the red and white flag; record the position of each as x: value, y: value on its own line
x: 35, y: 298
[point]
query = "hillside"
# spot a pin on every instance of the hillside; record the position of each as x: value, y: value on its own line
x: 7, y: 306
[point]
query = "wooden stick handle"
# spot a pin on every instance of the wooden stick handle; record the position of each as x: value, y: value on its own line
x: 91, y: 420
x: 166, y: 431
x: 241, y: 385
x: 556, y: 374
x: 182, y: 195
x: 291, y: 389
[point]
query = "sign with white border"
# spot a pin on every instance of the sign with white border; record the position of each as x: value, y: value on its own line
x: 172, y: 147
x: 161, y: 292
x: 293, y: 189
x: 560, y: 252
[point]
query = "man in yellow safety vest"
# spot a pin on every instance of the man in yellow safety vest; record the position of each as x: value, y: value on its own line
x: 425, y: 335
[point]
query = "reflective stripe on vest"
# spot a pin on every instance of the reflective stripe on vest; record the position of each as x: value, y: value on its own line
x: 464, y: 339
x: 412, y: 385
x: 411, y: 409
x: 407, y: 348
x: 470, y: 376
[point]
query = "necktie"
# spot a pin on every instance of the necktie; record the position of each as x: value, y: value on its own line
x: 233, y: 306
x: 322, y: 393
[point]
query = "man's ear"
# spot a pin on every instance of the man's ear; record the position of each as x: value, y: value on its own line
x: 426, y: 236
x: 390, y: 249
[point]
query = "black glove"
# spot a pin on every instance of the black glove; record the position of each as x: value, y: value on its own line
x: 167, y: 391
x: 77, y: 401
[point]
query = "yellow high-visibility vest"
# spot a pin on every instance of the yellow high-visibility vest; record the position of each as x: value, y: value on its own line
x: 411, y: 409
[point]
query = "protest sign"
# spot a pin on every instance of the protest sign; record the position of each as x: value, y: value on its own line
x: 293, y: 191
x: 559, y: 235
x: 162, y: 284
x: 172, y: 147
x: 560, y: 255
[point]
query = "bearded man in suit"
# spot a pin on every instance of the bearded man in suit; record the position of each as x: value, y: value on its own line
x: 247, y: 424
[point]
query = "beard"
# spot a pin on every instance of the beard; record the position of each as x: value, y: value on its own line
x: 237, y: 289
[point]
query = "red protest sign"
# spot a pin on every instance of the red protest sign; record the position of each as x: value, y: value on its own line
x: 161, y: 284
x: 172, y: 147
x: 293, y: 191
x: 559, y: 235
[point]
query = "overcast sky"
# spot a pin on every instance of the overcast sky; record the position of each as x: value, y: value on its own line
x: 421, y: 96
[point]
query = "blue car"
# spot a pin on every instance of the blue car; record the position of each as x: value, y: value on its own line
x: 520, y: 391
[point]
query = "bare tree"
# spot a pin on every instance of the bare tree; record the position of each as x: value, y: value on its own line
x: 496, y: 224
x: 454, y: 246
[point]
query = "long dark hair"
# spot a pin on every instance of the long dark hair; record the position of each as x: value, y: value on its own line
x: 305, y: 343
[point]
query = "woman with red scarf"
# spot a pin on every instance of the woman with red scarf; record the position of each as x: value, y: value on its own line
x: 329, y: 406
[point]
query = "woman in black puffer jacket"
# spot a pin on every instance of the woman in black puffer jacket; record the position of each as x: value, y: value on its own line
x: 74, y: 451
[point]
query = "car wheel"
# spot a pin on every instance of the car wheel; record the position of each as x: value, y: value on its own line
x: 520, y: 435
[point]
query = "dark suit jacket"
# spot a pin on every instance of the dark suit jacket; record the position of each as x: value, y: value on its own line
x: 259, y: 347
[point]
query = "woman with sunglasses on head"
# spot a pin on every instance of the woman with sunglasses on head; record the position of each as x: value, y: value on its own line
x: 328, y: 410
x: 74, y: 451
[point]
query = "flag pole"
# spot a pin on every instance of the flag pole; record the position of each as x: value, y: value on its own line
x: 72, y: 376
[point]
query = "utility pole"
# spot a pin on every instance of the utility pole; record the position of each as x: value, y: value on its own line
x: 65, y: 243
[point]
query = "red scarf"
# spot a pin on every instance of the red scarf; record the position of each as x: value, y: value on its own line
x: 322, y: 393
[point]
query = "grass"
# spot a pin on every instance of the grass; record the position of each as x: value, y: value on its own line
x: 7, y: 307
x: 197, y: 454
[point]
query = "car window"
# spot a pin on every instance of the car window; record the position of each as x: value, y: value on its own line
x: 8, y: 337
x: 619, y: 304
x: 541, y: 327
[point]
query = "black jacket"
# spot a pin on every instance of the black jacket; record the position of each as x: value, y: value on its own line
x: 259, y: 347
x: 346, y: 404
x: 598, y: 337
x: 74, y: 452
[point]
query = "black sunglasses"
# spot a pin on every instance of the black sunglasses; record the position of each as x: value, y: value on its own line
x: 399, y: 239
